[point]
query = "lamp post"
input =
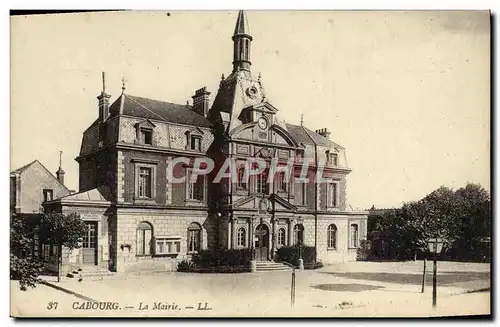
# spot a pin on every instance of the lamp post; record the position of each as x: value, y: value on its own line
x: 300, y: 236
x: 435, y: 245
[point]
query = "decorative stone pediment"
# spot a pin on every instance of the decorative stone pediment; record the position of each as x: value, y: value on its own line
x: 195, y: 131
x: 265, y: 107
x: 146, y: 123
x: 281, y: 204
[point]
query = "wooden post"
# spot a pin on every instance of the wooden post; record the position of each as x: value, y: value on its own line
x: 292, y: 296
x: 59, y: 250
x: 423, y: 276
x: 434, y: 284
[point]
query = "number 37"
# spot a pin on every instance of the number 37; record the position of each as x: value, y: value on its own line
x: 52, y: 305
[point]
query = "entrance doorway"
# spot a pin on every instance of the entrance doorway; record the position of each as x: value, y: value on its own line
x: 89, y: 248
x: 261, y: 243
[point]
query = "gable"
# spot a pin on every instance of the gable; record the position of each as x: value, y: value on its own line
x: 146, y: 123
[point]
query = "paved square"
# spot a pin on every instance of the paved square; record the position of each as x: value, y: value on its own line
x: 348, y: 289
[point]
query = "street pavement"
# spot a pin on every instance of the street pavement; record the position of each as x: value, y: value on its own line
x: 359, y: 289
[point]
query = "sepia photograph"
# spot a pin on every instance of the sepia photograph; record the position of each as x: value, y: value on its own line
x: 250, y: 163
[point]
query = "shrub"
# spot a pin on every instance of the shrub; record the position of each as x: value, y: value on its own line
x: 232, y: 258
x: 185, y: 266
x: 290, y: 254
x: 364, y: 250
x: 314, y: 265
x: 221, y: 269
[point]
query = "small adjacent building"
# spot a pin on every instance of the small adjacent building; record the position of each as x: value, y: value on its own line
x: 30, y: 187
x: 138, y: 219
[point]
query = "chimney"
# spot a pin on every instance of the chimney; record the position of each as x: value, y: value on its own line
x: 60, y: 172
x: 323, y: 132
x: 103, y: 101
x: 200, y: 101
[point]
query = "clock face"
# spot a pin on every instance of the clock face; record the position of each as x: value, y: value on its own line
x: 262, y: 123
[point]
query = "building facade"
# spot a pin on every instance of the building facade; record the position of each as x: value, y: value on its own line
x: 139, y: 219
x: 30, y: 187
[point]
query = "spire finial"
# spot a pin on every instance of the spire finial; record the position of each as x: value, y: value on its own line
x: 301, y: 119
x: 123, y: 84
x: 259, y: 77
x: 60, y: 159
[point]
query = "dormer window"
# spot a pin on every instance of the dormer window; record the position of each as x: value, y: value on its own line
x: 144, y: 132
x: 334, y: 159
x: 331, y: 158
x: 195, y: 143
x: 146, y: 136
x: 193, y: 139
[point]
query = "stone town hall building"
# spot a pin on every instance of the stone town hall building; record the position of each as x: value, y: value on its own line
x: 138, y: 220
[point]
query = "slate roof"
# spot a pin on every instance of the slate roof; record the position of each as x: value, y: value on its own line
x: 304, y: 135
x: 153, y: 109
x: 242, y: 27
x: 23, y: 168
x: 99, y: 194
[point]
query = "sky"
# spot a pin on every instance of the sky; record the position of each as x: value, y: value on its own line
x: 407, y: 93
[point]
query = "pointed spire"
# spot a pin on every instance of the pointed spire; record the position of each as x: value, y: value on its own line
x: 301, y: 119
x: 242, y: 40
x: 242, y: 27
x: 60, y: 159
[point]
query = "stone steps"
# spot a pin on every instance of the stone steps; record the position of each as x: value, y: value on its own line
x: 90, y: 273
x: 271, y: 266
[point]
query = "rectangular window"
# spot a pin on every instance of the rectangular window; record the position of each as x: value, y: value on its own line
x: 168, y: 246
x: 195, y: 143
x: 46, y: 251
x: 196, y: 189
x: 334, y: 159
x: 48, y: 195
x: 262, y: 185
x: 146, y: 136
x: 281, y: 182
x: 334, y: 195
x: 144, y: 182
x: 300, y: 193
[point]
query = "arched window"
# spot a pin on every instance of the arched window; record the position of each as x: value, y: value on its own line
x: 241, y: 237
x: 354, y: 235
x: 298, y: 234
x: 242, y: 184
x: 194, y: 237
x: 332, y: 236
x: 144, y: 237
x: 281, y: 237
